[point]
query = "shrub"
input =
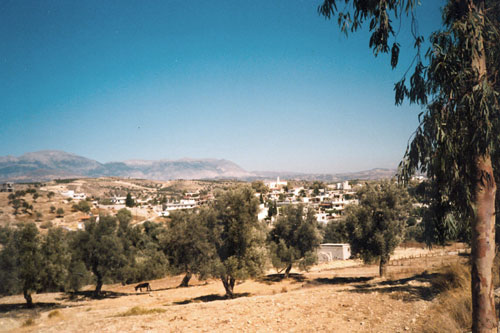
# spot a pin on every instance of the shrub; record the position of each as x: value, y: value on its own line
x: 46, y: 225
x: 54, y: 313
x: 137, y: 311
x: 29, y: 322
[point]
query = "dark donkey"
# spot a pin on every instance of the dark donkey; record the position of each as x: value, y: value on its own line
x: 143, y: 285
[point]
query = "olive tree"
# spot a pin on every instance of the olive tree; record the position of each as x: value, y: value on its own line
x: 21, y: 262
x: 294, y: 239
x: 376, y: 226
x: 100, y: 248
x: 188, y: 245
x: 238, y: 236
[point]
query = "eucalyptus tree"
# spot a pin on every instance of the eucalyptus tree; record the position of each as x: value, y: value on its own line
x: 458, y: 133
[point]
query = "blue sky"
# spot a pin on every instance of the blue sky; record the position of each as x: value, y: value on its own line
x: 270, y: 85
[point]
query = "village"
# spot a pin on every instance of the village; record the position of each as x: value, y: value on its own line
x: 328, y: 200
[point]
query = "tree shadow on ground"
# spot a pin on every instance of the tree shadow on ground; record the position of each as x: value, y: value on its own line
x: 19, y: 310
x: 339, y: 280
x: 78, y: 296
x: 181, y: 287
x: 160, y: 289
x: 411, y: 289
x: 211, y: 298
x: 22, y: 306
x: 272, y: 278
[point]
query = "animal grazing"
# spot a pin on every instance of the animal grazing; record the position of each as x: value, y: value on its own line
x: 143, y: 285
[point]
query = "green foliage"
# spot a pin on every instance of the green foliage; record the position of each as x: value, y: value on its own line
x: 78, y: 275
x: 52, y: 209
x: 102, y: 251
x: 187, y: 243
x: 336, y: 232
x: 31, y: 191
x: 376, y: 226
x: 105, y: 201
x: 21, y: 262
x: 124, y: 216
x: 272, y: 209
x: 17, y: 202
x: 441, y: 223
x: 294, y: 238
x: 461, y: 122
x: 129, y: 202
x: 56, y: 257
x: 65, y: 181
x: 150, y: 261
x: 238, y: 236
x: 60, y: 212
x: 260, y: 187
x: 316, y: 186
x: 82, y: 206
x: 46, y: 225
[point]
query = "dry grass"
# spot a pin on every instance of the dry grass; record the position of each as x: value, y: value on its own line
x: 28, y: 322
x: 54, y: 313
x: 138, y: 311
x: 453, y: 307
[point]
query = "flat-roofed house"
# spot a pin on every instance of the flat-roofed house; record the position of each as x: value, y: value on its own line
x: 331, y: 251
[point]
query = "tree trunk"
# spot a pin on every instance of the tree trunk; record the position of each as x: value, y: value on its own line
x: 287, y: 271
x: 483, y: 249
x: 185, y: 280
x: 228, y: 283
x: 382, y: 269
x: 27, y: 297
x: 483, y: 225
x: 98, y: 286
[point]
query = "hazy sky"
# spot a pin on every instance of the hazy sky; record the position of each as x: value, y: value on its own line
x: 269, y: 84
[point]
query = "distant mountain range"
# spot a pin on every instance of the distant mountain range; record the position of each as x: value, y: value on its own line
x: 52, y: 164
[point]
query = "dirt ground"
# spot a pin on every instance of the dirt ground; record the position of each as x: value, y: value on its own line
x: 343, y: 296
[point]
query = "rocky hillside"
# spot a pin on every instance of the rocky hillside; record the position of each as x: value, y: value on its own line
x: 51, y: 164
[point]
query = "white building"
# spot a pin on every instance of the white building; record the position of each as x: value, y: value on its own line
x: 77, y: 196
x: 344, y: 186
x: 182, y: 204
x: 329, y: 251
x: 119, y: 200
x: 263, y: 212
x: 277, y: 184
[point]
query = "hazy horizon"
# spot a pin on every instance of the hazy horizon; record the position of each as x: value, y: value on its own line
x: 270, y: 86
x: 195, y: 159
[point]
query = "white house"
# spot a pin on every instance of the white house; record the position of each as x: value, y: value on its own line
x: 344, y: 185
x: 183, y: 204
x: 322, y: 218
x: 330, y: 251
x: 263, y: 212
x: 277, y: 184
x: 77, y: 196
x: 119, y: 200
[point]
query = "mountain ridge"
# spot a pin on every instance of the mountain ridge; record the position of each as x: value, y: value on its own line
x: 52, y: 164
